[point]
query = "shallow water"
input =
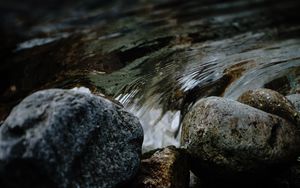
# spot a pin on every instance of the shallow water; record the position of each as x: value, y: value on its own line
x: 160, y: 97
x: 160, y: 86
x: 157, y: 58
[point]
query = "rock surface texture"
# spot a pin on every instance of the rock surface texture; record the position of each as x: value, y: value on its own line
x: 163, y: 168
x: 227, y: 138
x: 63, y: 138
x: 272, y: 102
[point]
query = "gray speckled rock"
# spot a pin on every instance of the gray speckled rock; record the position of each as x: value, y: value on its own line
x: 272, y: 102
x: 225, y: 137
x: 63, y: 138
x: 295, y: 100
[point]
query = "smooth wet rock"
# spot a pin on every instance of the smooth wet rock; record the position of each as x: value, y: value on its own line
x: 295, y: 100
x: 226, y: 139
x: 272, y: 102
x: 63, y: 138
x: 163, y: 168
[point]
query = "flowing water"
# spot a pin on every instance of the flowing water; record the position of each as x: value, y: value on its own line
x: 160, y: 97
x: 158, y: 58
x: 198, y: 61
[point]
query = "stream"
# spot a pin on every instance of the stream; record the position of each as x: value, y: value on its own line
x: 156, y: 58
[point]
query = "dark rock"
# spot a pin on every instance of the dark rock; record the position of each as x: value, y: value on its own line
x: 228, y: 139
x: 167, y: 167
x: 280, y: 181
x: 272, y: 102
x: 195, y: 181
x: 295, y: 100
x: 64, y: 138
x: 281, y: 85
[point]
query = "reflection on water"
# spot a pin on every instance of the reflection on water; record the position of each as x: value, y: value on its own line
x: 158, y: 57
x: 160, y: 96
x: 213, y: 50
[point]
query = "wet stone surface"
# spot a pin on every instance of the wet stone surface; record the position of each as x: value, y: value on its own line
x: 272, y: 102
x: 63, y: 138
x: 167, y: 167
x: 228, y: 140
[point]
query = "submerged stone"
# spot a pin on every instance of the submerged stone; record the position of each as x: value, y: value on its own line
x: 65, y: 138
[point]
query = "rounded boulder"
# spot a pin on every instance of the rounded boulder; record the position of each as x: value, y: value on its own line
x: 226, y: 138
x: 63, y: 138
